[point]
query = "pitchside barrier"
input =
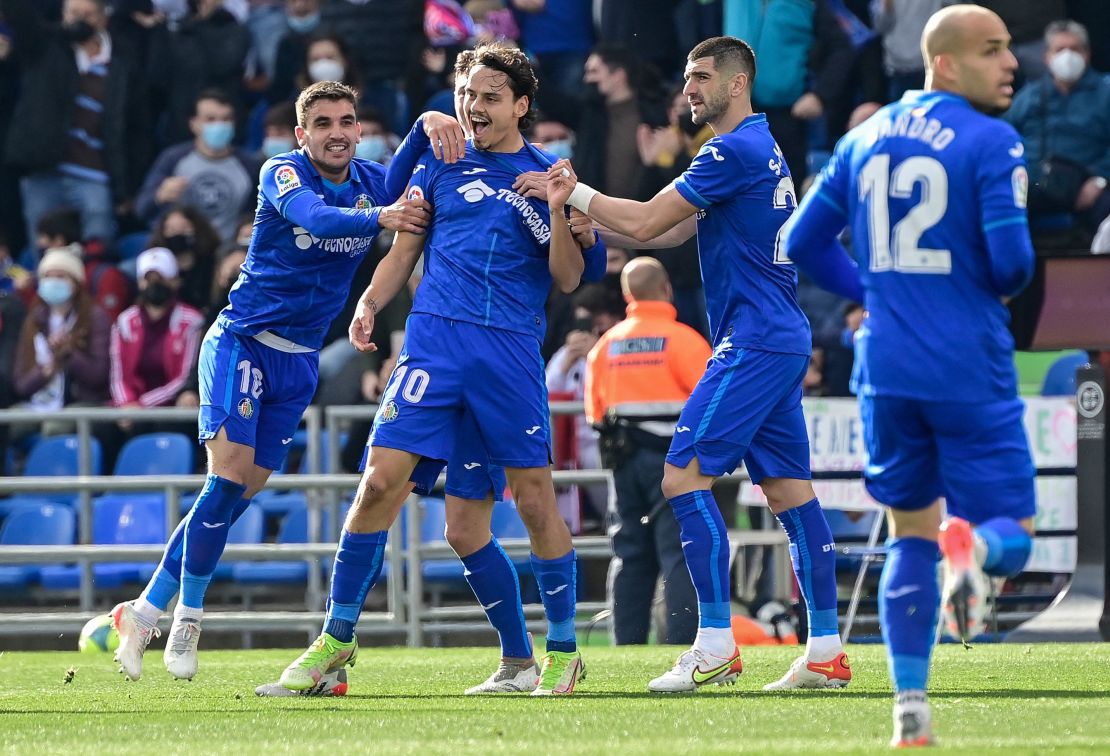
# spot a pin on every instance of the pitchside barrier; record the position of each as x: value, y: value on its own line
x: 836, y: 443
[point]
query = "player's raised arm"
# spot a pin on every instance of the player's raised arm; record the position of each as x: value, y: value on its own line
x: 390, y: 275
x: 565, y: 261
x: 642, y: 221
x: 433, y: 129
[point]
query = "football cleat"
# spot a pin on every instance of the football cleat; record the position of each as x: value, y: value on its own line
x: 560, y: 671
x: 180, y: 656
x: 696, y: 668
x: 964, y: 598
x: 913, y: 723
x: 326, y: 654
x: 135, y: 635
x: 331, y: 684
x: 510, y: 677
x: 805, y: 674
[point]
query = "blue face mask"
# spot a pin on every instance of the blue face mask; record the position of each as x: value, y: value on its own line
x: 276, y: 145
x: 561, y: 148
x: 217, y: 135
x: 373, y: 148
x: 55, y: 291
x: 304, y: 24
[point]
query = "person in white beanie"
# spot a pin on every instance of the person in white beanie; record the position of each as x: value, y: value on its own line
x: 62, y: 357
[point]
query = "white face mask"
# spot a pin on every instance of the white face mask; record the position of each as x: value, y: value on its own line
x: 1067, y: 66
x: 325, y: 69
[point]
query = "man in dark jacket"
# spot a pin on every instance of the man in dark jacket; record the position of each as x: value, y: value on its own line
x: 76, y: 134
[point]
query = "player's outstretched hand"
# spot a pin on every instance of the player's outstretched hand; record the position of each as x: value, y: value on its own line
x: 362, y: 325
x: 582, y: 228
x: 406, y: 215
x: 446, y: 135
x: 561, y: 180
x: 531, y: 184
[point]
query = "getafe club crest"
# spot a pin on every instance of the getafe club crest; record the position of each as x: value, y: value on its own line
x: 246, y: 408
x: 362, y: 202
x: 389, y: 412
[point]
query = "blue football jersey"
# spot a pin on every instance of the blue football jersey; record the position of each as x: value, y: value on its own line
x: 742, y: 189
x: 486, y: 252
x: 293, y: 283
x: 920, y: 185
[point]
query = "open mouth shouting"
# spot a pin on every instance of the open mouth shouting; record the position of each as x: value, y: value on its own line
x: 480, y: 124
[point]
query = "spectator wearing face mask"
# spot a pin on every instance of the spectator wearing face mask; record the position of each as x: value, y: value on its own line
x: 327, y: 58
x: 154, y: 342
x: 302, y: 19
x: 185, y: 232
x: 278, y: 133
x: 62, y: 357
x: 1062, y: 120
x: 207, y: 173
x: 377, y: 143
x: 553, y: 136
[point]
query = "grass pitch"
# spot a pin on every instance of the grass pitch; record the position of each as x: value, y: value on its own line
x: 992, y: 698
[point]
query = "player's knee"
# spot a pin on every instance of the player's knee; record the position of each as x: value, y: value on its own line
x: 466, y: 538
x: 374, y: 488
x: 676, y: 481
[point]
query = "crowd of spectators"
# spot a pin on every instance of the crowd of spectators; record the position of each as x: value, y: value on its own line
x: 131, y: 133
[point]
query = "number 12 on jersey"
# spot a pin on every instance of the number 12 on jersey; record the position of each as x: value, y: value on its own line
x: 899, y: 249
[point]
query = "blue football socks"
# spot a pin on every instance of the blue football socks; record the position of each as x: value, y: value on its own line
x: 705, y: 544
x: 813, y: 555
x: 166, y: 581
x: 493, y: 579
x: 205, y: 536
x: 909, y: 601
x: 556, y: 579
x: 358, y: 562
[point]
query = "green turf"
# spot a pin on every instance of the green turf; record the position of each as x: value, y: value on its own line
x: 1013, y: 699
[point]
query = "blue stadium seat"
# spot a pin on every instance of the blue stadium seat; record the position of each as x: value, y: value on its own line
x: 433, y: 522
x: 15, y: 503
x: 1060, y: 378
x: 294, y: 529
x: 506, y: 523
x: 131, y: 245
x: 118, y: 519
x: 54, y: 456
x: 247, y: 529
x: 156, y: 454
x: 34, y: 524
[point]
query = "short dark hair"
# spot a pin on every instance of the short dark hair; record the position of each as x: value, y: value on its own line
x: 64, y: 222
x: 282, y: 115
x: 323, y: 90
x: 217, y: 95
x: 728, y: 54
x: 512, y: 62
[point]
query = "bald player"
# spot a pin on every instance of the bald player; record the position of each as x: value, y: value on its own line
x: 933, y: 188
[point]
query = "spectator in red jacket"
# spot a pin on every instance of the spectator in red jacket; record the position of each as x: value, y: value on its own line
x: 155, y: 341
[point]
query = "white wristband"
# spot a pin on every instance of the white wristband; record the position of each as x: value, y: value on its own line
x: 581, y: 196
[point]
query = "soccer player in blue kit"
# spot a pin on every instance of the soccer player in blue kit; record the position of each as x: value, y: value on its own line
x: 933, y: 189
x: 748, y: 404
x: 472, y: 346
x: 319, y: 209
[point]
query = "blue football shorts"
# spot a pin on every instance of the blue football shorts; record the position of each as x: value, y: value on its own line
x: 975, y: 454
x: 469, y: 472
x: 450, y: 368
x: 747, y: 406
x: 257, y: 394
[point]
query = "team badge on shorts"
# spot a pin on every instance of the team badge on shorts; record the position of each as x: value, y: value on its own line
x: 362, y: 202
x: 246, y: 408
x: 286, y: 179
x: 389, y: 412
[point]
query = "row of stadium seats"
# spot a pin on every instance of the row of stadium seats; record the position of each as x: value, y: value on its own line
x: 120, y: 519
